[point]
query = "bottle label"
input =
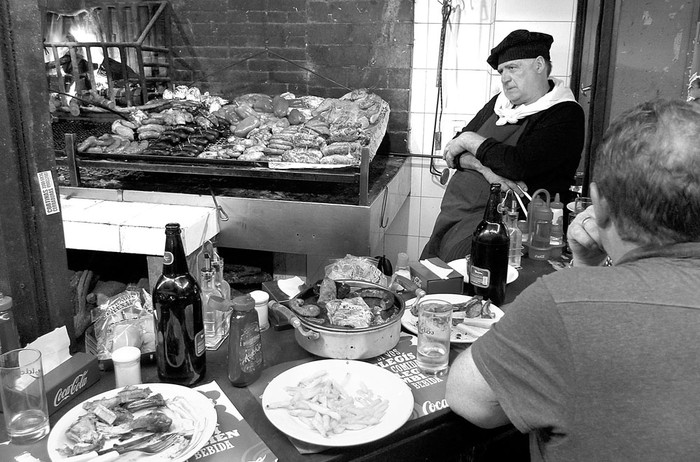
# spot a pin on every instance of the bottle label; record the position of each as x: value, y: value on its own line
x: 199, y: 343
x: 479, y: 277
x: 251, y: 348
x: 168, y: 258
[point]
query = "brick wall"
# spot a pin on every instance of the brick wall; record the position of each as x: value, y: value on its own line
x: 233, y: 47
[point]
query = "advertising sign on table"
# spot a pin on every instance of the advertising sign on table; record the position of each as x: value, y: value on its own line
x: 233, y: 440
x: 428, y: 391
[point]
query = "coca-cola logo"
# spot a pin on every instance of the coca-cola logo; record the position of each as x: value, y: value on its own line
x: 64, y: 393
x: 432, y: 406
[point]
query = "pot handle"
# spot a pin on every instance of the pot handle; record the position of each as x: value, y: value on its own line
x: 284, y: 312
x: 410, y: 286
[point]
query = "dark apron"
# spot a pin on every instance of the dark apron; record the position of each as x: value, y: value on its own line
x: 465, y: 200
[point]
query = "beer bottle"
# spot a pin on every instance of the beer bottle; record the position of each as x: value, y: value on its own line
x: 488, y: 264
x: 177, y: 304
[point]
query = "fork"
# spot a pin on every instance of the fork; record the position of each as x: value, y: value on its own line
x: 160, y: 443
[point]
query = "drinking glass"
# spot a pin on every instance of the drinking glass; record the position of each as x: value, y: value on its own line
x: 434, y: 328
x: 581, y: 204
x: 23, y: 396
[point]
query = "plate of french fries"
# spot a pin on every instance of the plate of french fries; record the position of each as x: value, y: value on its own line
x: 472, y: 317
x: 337, y: 402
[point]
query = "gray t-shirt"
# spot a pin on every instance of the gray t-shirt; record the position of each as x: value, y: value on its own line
x: 603, y: 364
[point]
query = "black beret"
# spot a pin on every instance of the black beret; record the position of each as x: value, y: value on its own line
x: 520, y: 44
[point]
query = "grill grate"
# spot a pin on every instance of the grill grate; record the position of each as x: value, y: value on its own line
x: 81, y: 128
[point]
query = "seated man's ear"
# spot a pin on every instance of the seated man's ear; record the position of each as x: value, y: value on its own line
x: 601, y: 207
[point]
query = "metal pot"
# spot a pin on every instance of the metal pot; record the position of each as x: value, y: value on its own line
x: 347, y: 343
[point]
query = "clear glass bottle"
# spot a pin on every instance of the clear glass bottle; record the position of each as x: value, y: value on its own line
x: 510, y: 218
x: 213, y: 305
x: 515, y: 252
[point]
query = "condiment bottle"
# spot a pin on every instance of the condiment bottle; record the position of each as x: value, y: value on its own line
x: 539, y: 220
x: 245, y: 358
x: 180, y: 343
x: 488, y: 264
x: 9, y: 339
x: 557, y: 233
x: 402, y: 268
x: 213, y: 308
x: 261, y: 298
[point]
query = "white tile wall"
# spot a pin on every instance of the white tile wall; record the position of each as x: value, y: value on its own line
x: 476, y: 26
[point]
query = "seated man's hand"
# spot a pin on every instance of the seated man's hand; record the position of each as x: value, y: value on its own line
x: 453, y: 148
x: 517, y: 186
x: 584, y: 240
x: 465, y: 143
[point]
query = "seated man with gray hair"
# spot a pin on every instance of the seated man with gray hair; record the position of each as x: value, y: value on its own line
x: 603, y: 362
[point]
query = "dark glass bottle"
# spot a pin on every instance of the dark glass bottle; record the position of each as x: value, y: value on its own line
x: 245, y: 356
x: 9, y: 339
x: 177, y: 303
x: 488, y: 264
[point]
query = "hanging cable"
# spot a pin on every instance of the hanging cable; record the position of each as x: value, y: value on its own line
x: 446, y: 12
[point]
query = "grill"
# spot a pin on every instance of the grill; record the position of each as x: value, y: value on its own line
x: 119, y: 52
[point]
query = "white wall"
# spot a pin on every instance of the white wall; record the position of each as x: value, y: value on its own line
x: 476, y: 26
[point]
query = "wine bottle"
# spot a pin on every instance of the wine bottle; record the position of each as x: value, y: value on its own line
x: 488, y: 264
x: 177, y: 303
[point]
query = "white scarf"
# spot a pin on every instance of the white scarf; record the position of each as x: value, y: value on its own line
x: 507, y: 114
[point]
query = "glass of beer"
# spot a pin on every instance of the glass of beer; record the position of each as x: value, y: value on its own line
x: 434, y: 329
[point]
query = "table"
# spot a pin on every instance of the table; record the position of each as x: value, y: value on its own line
x: 440, y: 436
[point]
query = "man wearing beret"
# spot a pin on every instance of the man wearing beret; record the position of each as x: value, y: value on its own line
x: 529, y: 136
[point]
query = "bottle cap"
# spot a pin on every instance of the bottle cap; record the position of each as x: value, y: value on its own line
x: 243, y: 303
x: 260, y: 296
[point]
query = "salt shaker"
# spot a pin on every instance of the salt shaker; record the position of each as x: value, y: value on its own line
x: 127, y: 366
x: 261, y: 298
x: 9, y: 339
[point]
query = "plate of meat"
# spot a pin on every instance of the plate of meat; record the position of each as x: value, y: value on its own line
x: 144, y: 414
x: 471, y: 316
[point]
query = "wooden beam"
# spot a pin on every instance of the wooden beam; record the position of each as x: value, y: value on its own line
x: 35, y: 272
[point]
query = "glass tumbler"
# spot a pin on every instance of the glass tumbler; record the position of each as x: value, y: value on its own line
x: 434, y: 329
x: 24, y: 402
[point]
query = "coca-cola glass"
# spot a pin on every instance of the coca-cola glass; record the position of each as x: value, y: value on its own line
x: 434, y: 329
x: 23, y: 396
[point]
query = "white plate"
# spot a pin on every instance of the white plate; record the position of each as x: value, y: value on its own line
x: 204, y: 421
x: 382, y: 382
x: 571, y: 206
x: 460, y: 265
x: 410, y: 322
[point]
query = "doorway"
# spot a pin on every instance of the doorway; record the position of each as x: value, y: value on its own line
x: 627, y: 52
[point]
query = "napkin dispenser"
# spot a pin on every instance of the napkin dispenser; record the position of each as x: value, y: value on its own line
x: 69, y: 379
x: 431, y: 283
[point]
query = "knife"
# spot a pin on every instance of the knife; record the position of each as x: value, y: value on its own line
x: 92, y: 455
